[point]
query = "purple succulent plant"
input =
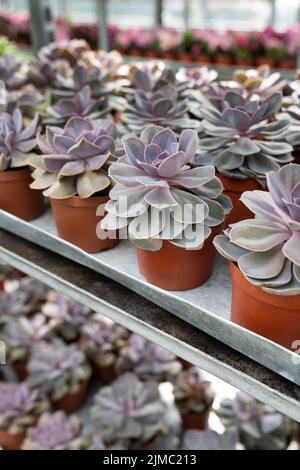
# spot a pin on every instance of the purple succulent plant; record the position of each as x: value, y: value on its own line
x: 82, y: 104
x: 239, y: 139
x: 9, y: 68
x: 157, y: 182
x: 192, y: 393
x: 198, y: 78
x: 66, y: 50
x: 209, y: 440
x: 11, y: 304
x: 148, y: 360
x: 16, y: 141
x: 19, y: 406
x: 266, y: 248
x: 56, y: 432
x: 73, y: 158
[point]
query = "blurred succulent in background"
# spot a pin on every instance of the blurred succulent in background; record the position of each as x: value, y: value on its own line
x: 33, y: 291
x: 69, y: 50
x: 192, y: 393
x: 128, y: 411
x: 257, y: 83
x: 157, y: 182
x: 21, y: 333
x: 108, y: 61
x: 266, y: 248
x: 43, y: 75
x: 11, y: 304
x: 102, y: 341
x: 259, y: 426
x: 148, y: 360
x: 10, y: 71
x: 82, y: 104
x: 16, y: 141
x: 199, y: 78
x: 27, y: 99
x: 56, y: 432
x: 74, y: 159
x: 19, y: 407
x: 57, y: 369
x: 209, y: 440
x: 66, y: 314
x: 239, y: 139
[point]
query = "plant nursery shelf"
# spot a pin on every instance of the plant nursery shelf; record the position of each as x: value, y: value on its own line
x: 134, y: 311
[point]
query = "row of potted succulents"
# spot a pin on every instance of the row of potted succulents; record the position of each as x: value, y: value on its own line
x: 170, y: 162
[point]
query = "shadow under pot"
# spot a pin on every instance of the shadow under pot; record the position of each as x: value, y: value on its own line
x: 17, y: 198
x: 176, y: 269
x: 195, y: 420
x: 272, y: 316
x: 73, y: 401
x: 234, y: 189
x: 78, y: 223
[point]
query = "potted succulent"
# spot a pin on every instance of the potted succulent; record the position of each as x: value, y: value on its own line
x: 209, y: 440
x: 128, y: 412
x: 19, y: 409
x: 56, y: 432
x: 102, y: 341
x: 147, y: 360
x: 171, y: 211
x: 257, y: 83
x: 60, y: 371
x: 239, y: 140
x: 194, y: 398
x: 20, y: 334
x: 17, y: 143
x: 265, y: 262
x: 72, y: 170
x: 66, y: 315
x: 258, y: 426
x: 198, y: 79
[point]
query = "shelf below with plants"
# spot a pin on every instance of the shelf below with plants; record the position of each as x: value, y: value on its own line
x: 153, y: 322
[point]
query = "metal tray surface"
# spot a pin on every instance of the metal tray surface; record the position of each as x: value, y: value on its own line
x: 207, y: 307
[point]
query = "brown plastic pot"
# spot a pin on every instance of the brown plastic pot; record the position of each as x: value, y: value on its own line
x: 289, y: 64
x: 266, y: 61
x: 185, y: 57
x: 10, y: 441
x: 185, y: 364
x: 20, y: 370
x: 17, y: 198
x: 76, y: 221
x: 234, y: 189
x: 169, y: 55
x: 176, y: 269
x: 152, y: 54
x: 195, y: 420
x: 272, y: 316
x: 203, y: 59
x: 223, y: 59
x: 105, y: 373
x: 73, y: 401
x: 244, y: 62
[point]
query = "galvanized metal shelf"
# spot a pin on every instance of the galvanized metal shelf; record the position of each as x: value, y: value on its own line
x: 153, y: 322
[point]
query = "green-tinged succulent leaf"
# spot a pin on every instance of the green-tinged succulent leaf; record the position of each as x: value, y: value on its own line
x: 91, y: 182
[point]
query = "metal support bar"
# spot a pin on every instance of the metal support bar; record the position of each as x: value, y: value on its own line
x: 102, y: 21
x: 42, y: 26
x: 158, y: 13
x: 272, y: 17
x: 143, y: 317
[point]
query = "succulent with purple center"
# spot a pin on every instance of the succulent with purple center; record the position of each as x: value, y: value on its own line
x: 27, y: 99
x: 128, y: 410
x: 82, y: 104
x: 266, y: 248
x: 258, y: 426
x: 148, y: 360
x: 74, y: 159
x: 192, y: 393
x: 57, y: 369
x: 239, y: 138
x: 21, y: 333
x: 10, y: 72
x: 19, y: 407
x: 156, y: 184
x: 199, y: 78
x: 16, y: 141
x: 209, y: 440
x: 56, y: 432
x: 102, y: 341
x: 70, y: 51
x: 66, y: 314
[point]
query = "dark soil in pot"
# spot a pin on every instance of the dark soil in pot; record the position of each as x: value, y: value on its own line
x: 17, y: 198
x: 195, y: 420
x: 76, y: 221
x: 174, y: 268
x: 73, y: 401
x: 272, y: 316
x: 20, y: 370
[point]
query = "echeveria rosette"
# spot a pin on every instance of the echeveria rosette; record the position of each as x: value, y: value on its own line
x: 163, y: 106
x: 56, y: 432
x: 239, y: 139
x: 192, y: 393
x: 209, y: 440
x: 16, y: 140
x: 69, y: 50
x: 257, y: 83
x: 74, y: 159
x: 266, y: 248
x: 128, y: 410
x: 158, y: 184
x: 82, y: 105
x: 11, y: 72
x: 198, y: 78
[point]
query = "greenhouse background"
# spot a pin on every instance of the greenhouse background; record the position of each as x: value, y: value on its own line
x: 117, y: 345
